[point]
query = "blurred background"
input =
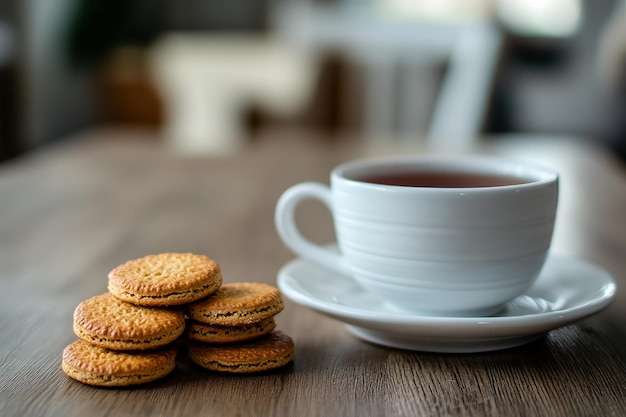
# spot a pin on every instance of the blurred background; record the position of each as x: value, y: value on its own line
x: 209, y: 76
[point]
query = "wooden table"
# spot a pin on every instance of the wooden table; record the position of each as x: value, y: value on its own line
x: 72, y: 212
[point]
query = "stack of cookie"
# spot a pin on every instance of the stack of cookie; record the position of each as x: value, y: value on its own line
x: 126, y: 336
x: 233, y: 330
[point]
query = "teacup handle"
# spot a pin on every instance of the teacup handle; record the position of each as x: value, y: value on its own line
x: 284, y: 218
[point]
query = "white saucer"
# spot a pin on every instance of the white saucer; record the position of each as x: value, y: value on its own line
x: 566, y: 291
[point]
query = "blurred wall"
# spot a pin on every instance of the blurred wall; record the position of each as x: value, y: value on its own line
x: 56, y: 81
x: 543, y: 90
x: 57, y: 95
x: 552, y: 85
x: 48, y: 98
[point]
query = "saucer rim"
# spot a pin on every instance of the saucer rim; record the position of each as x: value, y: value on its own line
x: 491, y: 326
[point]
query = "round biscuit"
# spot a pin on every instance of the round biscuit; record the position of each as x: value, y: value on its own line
x: 208, y: 333
x: 237, y: 304
x: 165, y: 279
x: 111, y: 323
x: 271, y: 351
x: 96, y: 366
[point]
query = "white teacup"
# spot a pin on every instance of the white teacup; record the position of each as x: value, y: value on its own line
x: 449, y: 236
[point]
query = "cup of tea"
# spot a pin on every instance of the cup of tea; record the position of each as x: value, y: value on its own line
x: 444, y: 236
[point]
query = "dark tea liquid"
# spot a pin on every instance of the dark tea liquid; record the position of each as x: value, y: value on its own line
x: 441, y: 179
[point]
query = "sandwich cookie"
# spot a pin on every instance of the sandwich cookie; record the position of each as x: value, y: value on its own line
x: 165, y: 279
x: 94, y: 365
x: 238, y: 304
x: 213, y: 333
x: 271, y: 351
x: 111, y: 323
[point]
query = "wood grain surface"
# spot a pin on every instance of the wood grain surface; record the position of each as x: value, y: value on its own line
x: 72, y: 212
